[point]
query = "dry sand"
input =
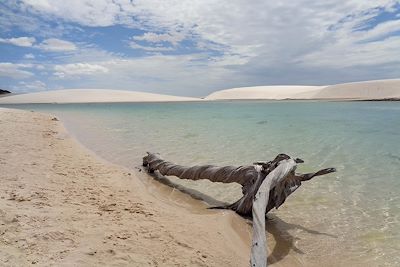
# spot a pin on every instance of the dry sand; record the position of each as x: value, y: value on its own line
x: 265, y: 92
x: 62, y: 206
x: 379, y: 89
x: 90, y: 96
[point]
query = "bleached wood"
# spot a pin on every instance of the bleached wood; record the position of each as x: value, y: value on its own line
x: 258, y: 256
x: 265, y: 185
x: 250, y: 177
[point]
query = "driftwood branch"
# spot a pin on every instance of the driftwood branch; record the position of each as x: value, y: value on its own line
x: 259, y: 241
x: 265, y: 185
x: 250, y: 177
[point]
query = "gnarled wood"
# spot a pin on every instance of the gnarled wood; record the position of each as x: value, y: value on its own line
x: 250, y: 177
x: 265, y: 185
x: 259, y: 242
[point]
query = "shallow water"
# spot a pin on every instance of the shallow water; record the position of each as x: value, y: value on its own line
x: 348, y: 218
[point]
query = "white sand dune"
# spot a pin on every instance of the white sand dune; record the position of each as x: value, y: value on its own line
x: 90, y: 96
x: 266, y: 92
x: 378, y: 89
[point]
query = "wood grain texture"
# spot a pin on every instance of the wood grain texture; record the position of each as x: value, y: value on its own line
x: 265, y: 185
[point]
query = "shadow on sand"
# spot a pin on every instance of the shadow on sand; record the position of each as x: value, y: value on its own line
x: 278, y: 228
x: 285, y: 242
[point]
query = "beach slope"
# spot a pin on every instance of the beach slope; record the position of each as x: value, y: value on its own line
x: 62, y: 206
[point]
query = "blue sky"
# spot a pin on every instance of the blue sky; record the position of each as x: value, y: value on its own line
x: 195, y: 47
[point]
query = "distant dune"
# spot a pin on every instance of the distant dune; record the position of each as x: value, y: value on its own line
x: 266, y: 92
x: 367, y: 90
x: 90, y: 96
x: 379, y: 89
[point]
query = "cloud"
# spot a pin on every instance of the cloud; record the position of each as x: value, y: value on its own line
x: 29, y: 56
x: 30, y: 86
x: 89, y: 13
x: 350, y: 55
x: 19, y: 41
x: 264, y: 42
x: 78, y: 69
x: 40, y: 67
x: 51, y: 45
x: 169, y: 74
x: 173, y: 38
x: 56, y: 45
x: 380, y: 31
x: 15, y: 71
x: 278, y: 32
x: 135, y: 45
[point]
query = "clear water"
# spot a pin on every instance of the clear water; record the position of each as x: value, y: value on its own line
x: 349, y: 218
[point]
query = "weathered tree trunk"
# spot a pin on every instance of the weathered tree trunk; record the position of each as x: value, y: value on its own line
x: 259, y: 241
x: 250, y: 177
x: 265, y: 185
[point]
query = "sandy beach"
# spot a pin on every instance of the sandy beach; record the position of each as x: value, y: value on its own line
x: 62, y: 206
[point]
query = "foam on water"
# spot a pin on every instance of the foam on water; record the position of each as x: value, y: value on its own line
x: 351, y: 217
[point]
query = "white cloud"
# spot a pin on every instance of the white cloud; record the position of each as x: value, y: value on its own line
x: 278, y: 32
x: 348, y: 55
x: 380, y: 31
x: 30, y: 86
x: 29, y: 56
x: 56, y: 45
x: 19, y: 41
x: 15, y: 71
x: 78, y: 69
x: 51, y: 44
x: 355, y: 48
x: 135, y: 45
x: 262, y: 42
x: 173, y: 38
x: 172, y: 74
x: 89, y: 12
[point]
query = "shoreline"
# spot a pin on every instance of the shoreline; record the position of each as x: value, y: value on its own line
x: 63, y: 206
x: 86, y: 210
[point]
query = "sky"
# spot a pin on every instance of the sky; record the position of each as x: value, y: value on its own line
x: 195, y: 47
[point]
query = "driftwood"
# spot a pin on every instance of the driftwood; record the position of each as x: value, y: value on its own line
x: 265, y: 185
